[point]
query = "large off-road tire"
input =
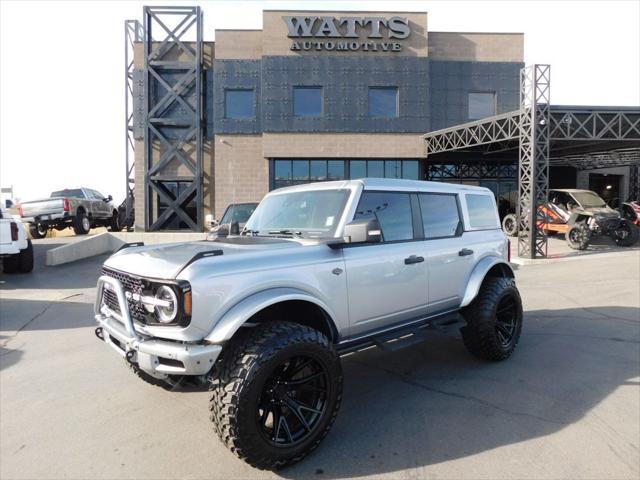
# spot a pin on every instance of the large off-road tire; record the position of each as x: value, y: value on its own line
x: 10, y: 264
x: 172, y: 382
x: 510, y: 224
x: 81, y: 224
x: 38, y: 231
x: 25, y: 259
x: 276, y: 390
x: 494, y: 320
x: 114, y: 224
x: 578, y: 236
x: 626, y: 235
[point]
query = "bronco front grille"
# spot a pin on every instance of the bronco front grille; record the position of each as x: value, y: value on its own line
x: 130, y: 284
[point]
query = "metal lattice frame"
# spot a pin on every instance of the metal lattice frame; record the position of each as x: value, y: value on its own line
x: 132, y: 34
x: 499, y: 128
x: 533, y: 165
x: 634, y: 182
x: 594, y: 160
x: 173, y: 111
x: 573, y: 123
x: 462, y: 170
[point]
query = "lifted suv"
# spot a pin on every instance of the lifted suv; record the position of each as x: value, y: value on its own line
x: 319, y: 270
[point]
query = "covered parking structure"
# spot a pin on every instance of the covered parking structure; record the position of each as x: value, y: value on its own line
x: 544, y: 136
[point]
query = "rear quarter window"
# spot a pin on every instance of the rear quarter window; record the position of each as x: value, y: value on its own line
x: 482, y: 211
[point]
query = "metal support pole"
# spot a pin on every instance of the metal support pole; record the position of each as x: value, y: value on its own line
x: 533, y: 167
x: 132, y: 35
x: 634, y: 182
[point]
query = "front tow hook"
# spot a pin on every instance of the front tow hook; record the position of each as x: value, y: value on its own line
x: 130, y: 357
x: 99, y: 333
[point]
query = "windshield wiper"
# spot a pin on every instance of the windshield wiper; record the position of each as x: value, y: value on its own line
x: 248, y: 231
x: 285, y: 232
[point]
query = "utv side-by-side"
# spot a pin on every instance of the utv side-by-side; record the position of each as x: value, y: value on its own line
x: 580, y: 215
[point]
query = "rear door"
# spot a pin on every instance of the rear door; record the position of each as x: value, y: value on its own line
x: 450, y: 256
x: 387, y: 281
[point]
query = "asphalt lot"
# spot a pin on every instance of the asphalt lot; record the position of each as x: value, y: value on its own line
x: 566, y: 405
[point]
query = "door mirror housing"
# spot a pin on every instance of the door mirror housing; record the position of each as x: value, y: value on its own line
x: 361, y: 231
x: 108, y: 198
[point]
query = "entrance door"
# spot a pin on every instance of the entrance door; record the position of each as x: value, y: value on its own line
x: 607, y: 186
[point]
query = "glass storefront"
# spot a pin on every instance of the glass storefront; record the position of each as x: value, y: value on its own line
x: 288, y: 172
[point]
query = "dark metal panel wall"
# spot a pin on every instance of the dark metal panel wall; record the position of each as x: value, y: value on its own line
x: 451, y: 82
x: 232, y: 74
x: 346, y: 81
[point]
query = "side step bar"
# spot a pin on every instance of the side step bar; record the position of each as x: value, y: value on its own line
x: 404, y: 336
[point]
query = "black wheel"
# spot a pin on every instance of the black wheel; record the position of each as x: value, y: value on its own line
x: 10, y: 264
x: 578, y: 236
x: 494, y: 320
x: 626, y: 234
x: 276, y: 393
x: 114, y: 225
x: 25, y: 259
x: 510, y: 225
x: 81, y: 224
x: 38, y: 231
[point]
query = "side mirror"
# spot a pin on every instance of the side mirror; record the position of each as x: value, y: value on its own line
x: 234, y: 228
x: 364, y: 230
x: 8, y: 203
x: 108, y: 198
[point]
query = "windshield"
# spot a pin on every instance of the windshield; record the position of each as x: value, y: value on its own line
x: 589, y: 199
x: 73, y: 193
x: 313, y: 213
x: 238, y: 213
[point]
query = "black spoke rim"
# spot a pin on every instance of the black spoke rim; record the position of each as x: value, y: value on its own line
x: 293, y: 401
x: 506, y: 320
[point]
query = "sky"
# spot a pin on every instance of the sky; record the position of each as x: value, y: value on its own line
x: 62, y: 80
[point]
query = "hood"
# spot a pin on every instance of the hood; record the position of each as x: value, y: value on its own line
x: 605, y: 212
x: 165, y: 261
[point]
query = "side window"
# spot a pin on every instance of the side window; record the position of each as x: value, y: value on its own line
x: 440, y: 215
x: 393, y: 211
x: 482, y: 211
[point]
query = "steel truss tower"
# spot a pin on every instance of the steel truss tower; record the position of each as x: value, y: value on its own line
x: 533, y: 163
x: 173, y: 125
x: 132, y: 34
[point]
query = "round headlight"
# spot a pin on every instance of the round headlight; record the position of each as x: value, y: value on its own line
x: 166, y: 314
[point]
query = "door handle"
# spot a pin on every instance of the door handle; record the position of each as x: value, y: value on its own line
x: 465, y: 251
x: 413, y: 259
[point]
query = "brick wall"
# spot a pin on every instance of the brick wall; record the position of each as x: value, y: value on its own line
x: 240, y: 169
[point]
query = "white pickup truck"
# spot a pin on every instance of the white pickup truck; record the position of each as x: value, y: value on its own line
x: 16, y: 250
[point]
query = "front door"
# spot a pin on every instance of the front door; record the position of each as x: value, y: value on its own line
x: 387, y: 282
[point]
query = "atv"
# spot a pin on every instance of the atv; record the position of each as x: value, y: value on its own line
x: 580, y: 215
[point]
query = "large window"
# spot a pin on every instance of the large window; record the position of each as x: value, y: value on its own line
x: 482, y: 211
x: 440, y: 216
x: 393, y: 211
x: 307, y: 101
x: 238, y: 104
x: 295, y: 172
x: 383, y: 101
x: 481, y: 105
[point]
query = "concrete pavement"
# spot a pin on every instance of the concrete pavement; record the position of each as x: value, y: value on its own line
x: 566, y: 405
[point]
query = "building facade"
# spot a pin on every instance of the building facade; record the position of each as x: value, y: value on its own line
x: 317, y: 96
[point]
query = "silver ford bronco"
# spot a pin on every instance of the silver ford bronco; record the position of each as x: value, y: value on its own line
x: 318, y: 271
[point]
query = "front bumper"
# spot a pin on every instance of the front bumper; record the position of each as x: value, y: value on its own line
x: 158, y: 358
